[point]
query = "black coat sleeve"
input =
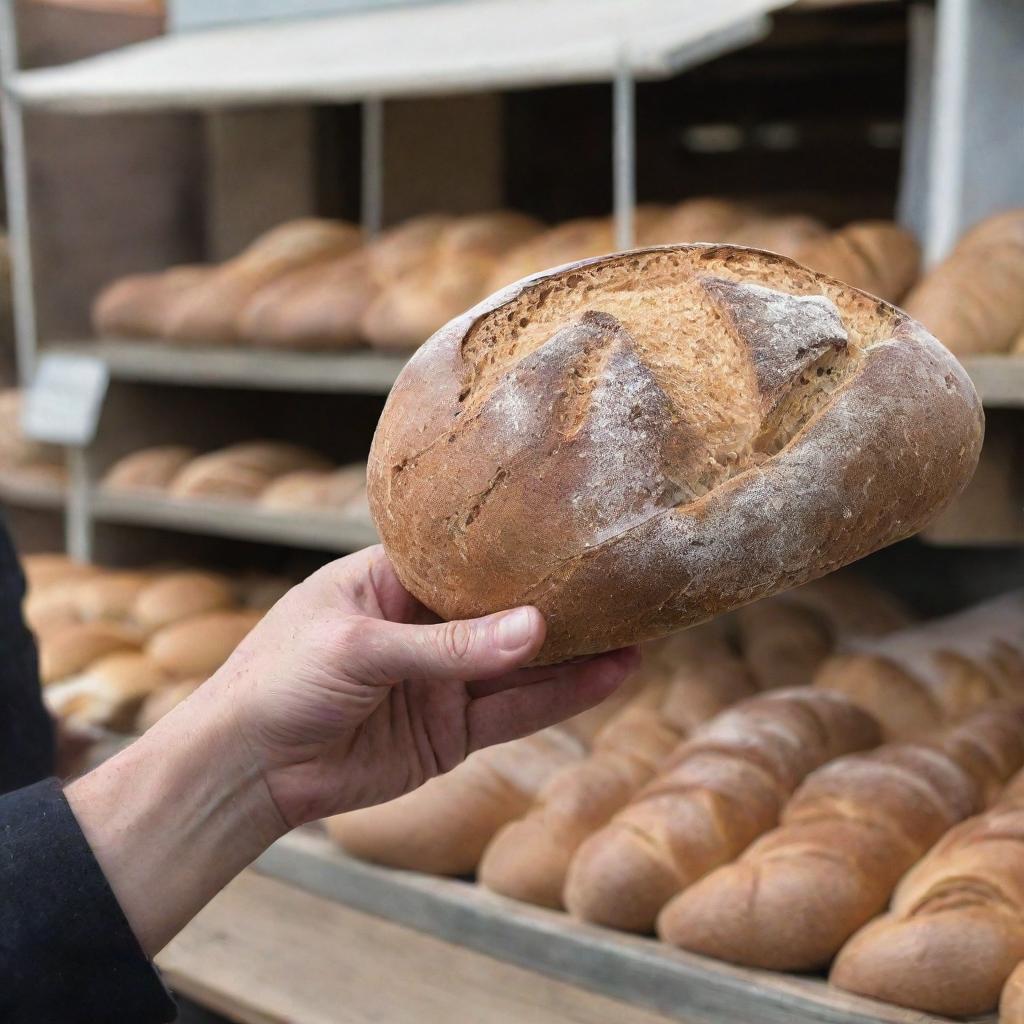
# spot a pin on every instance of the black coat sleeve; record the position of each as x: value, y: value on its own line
x: 67, y: 953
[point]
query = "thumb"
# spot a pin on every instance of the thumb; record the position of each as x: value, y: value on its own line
x: 460, y: 650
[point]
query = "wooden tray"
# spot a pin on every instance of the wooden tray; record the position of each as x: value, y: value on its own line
x: 638, y: 970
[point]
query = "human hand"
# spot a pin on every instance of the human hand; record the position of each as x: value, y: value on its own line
x: 351, y: 693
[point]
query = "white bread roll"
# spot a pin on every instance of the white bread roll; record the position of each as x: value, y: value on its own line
x: 200, y: 645
x: 181, y: 595
x: 109, y: 596
x: 68, y: 652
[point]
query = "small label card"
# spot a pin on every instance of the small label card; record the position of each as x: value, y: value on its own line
x: 65, y: 399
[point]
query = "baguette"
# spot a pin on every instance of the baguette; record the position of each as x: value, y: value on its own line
x: 529, y: 858
x: 876, y: 255
x: 848, y: 834
x: 151, y: 469
x: 70, y: 651
x: 138, y: 306
x: 1011, y: 1002
x: 720, y: 790
x: 918, y: 679
x: 209, y: 310
x: 198, y: 646
x: 181, y: 595
x: 661, y: 436
x: 443, y: 827
x: 955, y: 930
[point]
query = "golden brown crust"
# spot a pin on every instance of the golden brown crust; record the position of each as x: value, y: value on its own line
x: 659, y: 436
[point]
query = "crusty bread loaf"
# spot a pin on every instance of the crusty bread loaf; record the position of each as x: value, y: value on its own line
x: 241, y: 471
x: 917, y: 679
x: 163, y: 700
x: 703, y: 219
x: 443, y: 827
x: 529, y: 858
x: 787, y: 235
x: 208, y: 311
x: 973, y: 301
x: 138, y: 306
x: 660, y: 436
x: 406, y: 246
x: 108, y: 693
x: 1011, y: 1002
x: 876, y: 255
x: 198, y: 646
x: 719, y: 791
x: 109, y: 596
x: 319, y: 306
x: 573, y: 240
x: 849, y: 833
x: 69, y: 651
x: 151, y: 469
x: 180, y: 595
x: 955, y: 930
x: 312, y: 489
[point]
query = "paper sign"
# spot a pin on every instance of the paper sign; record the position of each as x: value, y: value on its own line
x: 65, y: 399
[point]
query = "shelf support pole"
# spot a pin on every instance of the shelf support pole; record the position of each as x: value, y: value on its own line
x: 624, y: 154
x: 77, y: 513
x: 372, y: 198
x: 16, y: 181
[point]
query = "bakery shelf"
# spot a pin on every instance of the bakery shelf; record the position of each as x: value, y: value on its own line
x: 27, y: 491
x: 233, y: 519
x: 999, y: 380
x: 419, y: 50
x: 359, y: 371
x: 640, y: 971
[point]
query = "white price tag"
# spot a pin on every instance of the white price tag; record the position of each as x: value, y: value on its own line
x: 65, y: 399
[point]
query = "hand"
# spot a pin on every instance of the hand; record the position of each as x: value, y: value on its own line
x: 351, y: 693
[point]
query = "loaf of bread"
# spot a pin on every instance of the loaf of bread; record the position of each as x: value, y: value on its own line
x: 67, y: 652
x: 529, y: 858
x: 702, y: 219
x: 955, y: 930
x: 151, y: 469
x: 109, y: 596
x: 138, y: 306
x: 877, y: 256
x: 918, y: 679
x: 660, y: 436
x: 718, y: 792
x: 198, y: 646
x: 45, y: 568
x: 311, y: 489
x: 163, y: 700
x: 406, y: 246
x: 175, y: 596
x: 316, y: 307
x: 1011, y: 1002
x: 787, y: 235
x: 108, y: 693
x: 443, y: 827
x: 241, y: 471
x: 973, y: 301
x: 847, y: 836
x: 209, y: 310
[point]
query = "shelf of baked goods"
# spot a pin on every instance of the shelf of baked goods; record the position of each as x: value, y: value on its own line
x: 417, y: 50
x: 32, y: 475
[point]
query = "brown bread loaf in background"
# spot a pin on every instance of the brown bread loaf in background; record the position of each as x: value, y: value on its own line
x: 69, y: 651
x: 174, y: 596
x: 139, y: 305
x: 718, y: 792
x: 151, y: 469
x: 660, y: 436
x: 847, y: 835
x: 241, y: 471
x: 198, y: 646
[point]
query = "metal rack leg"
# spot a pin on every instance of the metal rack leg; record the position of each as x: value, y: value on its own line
x: 624, y: 155
x: 372, y: 200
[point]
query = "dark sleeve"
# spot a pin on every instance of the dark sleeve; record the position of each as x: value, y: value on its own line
x: 26, y: 731
x: 67, y: 953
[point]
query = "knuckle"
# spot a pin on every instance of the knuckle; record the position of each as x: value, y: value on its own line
x: 456, y: 639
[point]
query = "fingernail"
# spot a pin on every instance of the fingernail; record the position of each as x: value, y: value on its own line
x: 515, y: 629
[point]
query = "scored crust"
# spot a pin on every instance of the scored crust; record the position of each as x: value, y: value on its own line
x: 638, y: 442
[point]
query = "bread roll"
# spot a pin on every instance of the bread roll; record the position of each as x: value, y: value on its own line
x: 658, y: 437
x: 917, y: 679
x: 71, y: 650
x: 406, y: 246
x: 138, y: 306
x: 42, y: 570
x: 163, y: 700
x: 574, y: 240
x: 703, y: 219
x: 241, y: 472
x: 849, y: 833
x: 151, y: 469
x: 1011, y: 1002
x: 784, y: 642
x: 198, y: 646
x: 442, y: 827
x: 108, y: 693
x: 312, y: 490
x: 529, y: 858
x: 719, y: 791
x: 181, y: 595
x: 209, y: 310
x: 955, y: 930
x: 109, y: 596
x: 787, y: 235
x: 319, y: 306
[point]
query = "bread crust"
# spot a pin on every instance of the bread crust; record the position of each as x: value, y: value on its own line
x: 563, y: 471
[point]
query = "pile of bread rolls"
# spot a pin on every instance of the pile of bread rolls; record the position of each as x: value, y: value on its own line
x: 317, y: 284
x: 973, y: 301
x: 272, y: 475
x: 119, y: 648
x: 22, y: 460
x: 742, y: 814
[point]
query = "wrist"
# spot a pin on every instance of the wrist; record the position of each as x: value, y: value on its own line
x: 172, y: 818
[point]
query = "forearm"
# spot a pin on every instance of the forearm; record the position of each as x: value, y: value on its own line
x: 175, y: 816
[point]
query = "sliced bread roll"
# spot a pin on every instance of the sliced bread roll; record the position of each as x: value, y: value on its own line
x: 181, y: 595
x: 198, y: 646
x: 151, y: 469
x: 640, y: 442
